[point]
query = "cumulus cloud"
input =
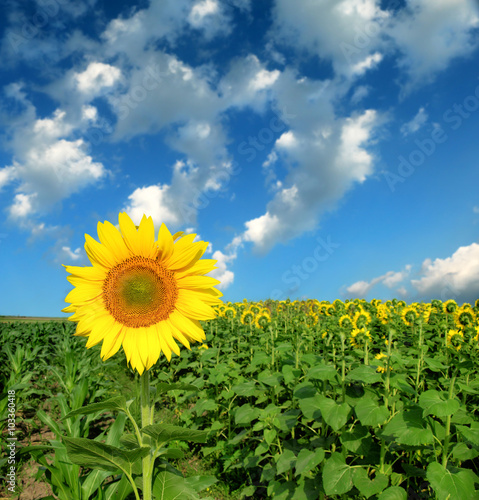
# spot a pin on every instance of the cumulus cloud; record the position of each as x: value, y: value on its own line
x: 416, y: 123
x: 431, y: 33
x: 48, y: 165
x: 327, y: 155
x: 391, y: 279
x: 455, y: 277
x: 347, y: 32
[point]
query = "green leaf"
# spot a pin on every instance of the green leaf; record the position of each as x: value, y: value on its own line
x: 364, y: 373
x: 434, y: 364
x: 337, y: 475
x: 409, y: 427
x: 95, y: 455
x: 393, y: 493
x: 451, y: 483
x: 119, y: 490
x: 245, y: 389
x: 370, y: 413
x: 366, y: 486
x: 462, y: 452
x: 269, y: 435
x: 437, y: 403
x: 310, y: 407
x: 205, y: 405
x: 163, y: 433
x: 471, y: 433
x: 169, y: 484
x: 163, y: 387
x: 335, y: 414
x: 307, y: 460
x: 114, y: 404
x: 285, y: 461
x: 358, y: 440
x: 246, y: 414
x: 290, y: 374
x: 322, y: 372
x: 200, y: 483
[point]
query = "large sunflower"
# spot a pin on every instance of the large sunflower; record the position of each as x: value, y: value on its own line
x: 141, y: 293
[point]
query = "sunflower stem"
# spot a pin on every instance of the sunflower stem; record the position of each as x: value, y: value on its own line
x: 146, y: 419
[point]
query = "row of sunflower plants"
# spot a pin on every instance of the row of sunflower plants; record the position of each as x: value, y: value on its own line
x: 306, y: 400
x: 53, y: 374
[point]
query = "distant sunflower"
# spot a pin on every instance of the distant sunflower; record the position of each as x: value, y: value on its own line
x: 409, y: 315
x: 140, y: 293
x: 450, y: 306
x: 247, y: 318
x: 345, y: 321
x: 262, y: 319
x: 229, y: 312
x: 359, y: 336
x: 454, y: 339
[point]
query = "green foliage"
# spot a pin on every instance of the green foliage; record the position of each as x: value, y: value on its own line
x: 294, y: 410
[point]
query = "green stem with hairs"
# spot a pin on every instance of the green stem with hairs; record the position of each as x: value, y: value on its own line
x: 146, y: 419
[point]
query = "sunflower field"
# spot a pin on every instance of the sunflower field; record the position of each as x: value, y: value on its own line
x: 297, y: 400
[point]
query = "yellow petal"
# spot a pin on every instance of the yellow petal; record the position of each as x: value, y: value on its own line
x: 197, y: 268
x: 111, y: 238
x: 94, y: 273
x: 189, y: 327
x: 186, y: 255
x: 178, y: 335
x: 191, y: 307
x: 196, y: 282
x: 165, y: 243
x: 146, y: 236
x: 98, y: 254
x: 129, y: 233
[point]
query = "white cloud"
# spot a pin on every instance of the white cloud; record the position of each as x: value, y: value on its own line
x: 348, y: 32
x: 360, y: 93
x: 431, y: 33
x: 247, y: 83
x: 162, y: 19
x: 391, y: 279
x: 155, y: 202
x: 369, y: 62
x: 454, y: 277
x: 71, y: 255
x: 47, y: 165
x: 95, y: 77
x: 416, y: 123
x: 222, y: 273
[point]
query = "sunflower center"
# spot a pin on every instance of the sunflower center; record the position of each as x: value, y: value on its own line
x: 140, y: 292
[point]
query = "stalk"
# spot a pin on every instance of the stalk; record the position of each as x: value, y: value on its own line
x: 420, y: 361
x: 382, y: 455
x: 343, y: 369
x: 447, y: 437
x: 146, y: 419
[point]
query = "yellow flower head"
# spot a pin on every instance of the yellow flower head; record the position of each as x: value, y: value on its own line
x: 361, y: 318
x: 450, y: 306
x: 247, y: 318
x: 454, y: 339
x: 464, y: 316
x: 142, y: 294
x: 262, y: 319
x: 409, y: 315
x: 229, y: 312
x: 345, y: 321
x: 359, y: 336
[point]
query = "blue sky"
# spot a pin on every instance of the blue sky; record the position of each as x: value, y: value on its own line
x: 326, y: 149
